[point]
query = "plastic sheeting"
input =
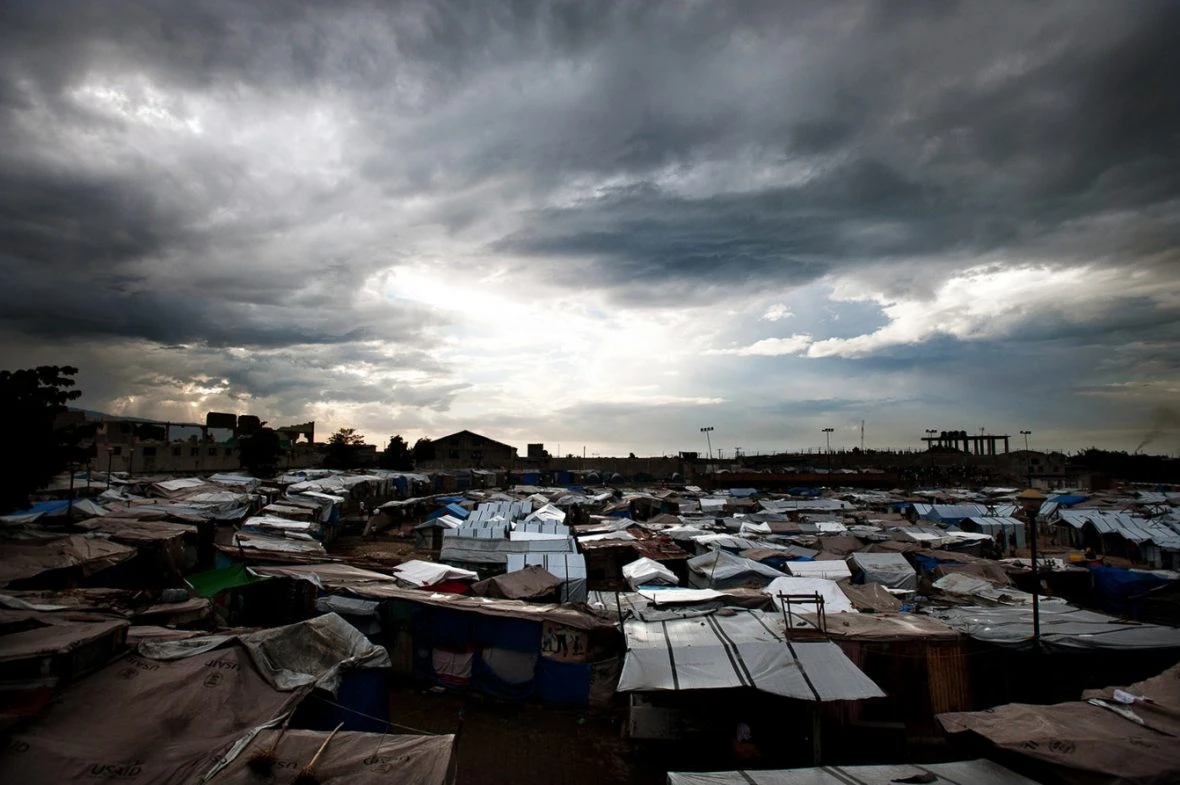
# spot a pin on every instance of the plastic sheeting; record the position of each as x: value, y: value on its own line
x: 424, y: 573
x: 829, y: 569
x: 972, y: 772
x: 1063, y: 626
x: 22, y: 559
x: 747, y: 649
x: 720, y: 569
x: 888, y: 569
x: 648, y: 571
x: 835, y: 601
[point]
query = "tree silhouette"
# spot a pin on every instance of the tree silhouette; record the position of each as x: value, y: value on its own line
x: 396, y: 455
x: 31, y: 399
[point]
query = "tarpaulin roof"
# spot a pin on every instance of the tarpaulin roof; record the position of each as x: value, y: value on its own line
x: 1096, y: 740
x: 353, y: 758
x: 56, y: 635
x: 21, y: 559
x: 970, y: 772
x: 523, y: 584
x: 150, y: 718
x: 720, y: 568
x: 830, y: 569
x: 746, y: 649
x: 214, y: 582
x: 425, y: 573
x: 1063, y: 626
x: 835, y: 601
x: 647, y: 571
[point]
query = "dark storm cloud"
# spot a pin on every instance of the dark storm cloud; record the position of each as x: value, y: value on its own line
x: 219, y: 174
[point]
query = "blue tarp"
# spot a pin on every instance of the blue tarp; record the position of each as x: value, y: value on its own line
x: 1069, y: 499
x: 742, y: 493
x: 563, y: 683
x: 803, y: 491
x: 450, y: 509
x: 1120, y: 591
x: 51, y: 507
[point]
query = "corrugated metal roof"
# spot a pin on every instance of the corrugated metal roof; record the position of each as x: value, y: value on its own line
x: 1129, y: 527
x: 747, y: 649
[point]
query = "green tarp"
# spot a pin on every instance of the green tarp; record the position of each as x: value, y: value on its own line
x: 214, y: 582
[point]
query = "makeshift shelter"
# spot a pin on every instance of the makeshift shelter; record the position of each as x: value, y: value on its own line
x: 218, y: 692
x: 425, y: 574
x: 57, y: 561
x: 1008, y: 530
x: 828, y: 569
x: 1064, y: 627
x: 352, y: 758
x: 723, y: 570
x: 971, y: 772
x: 888, y: 569
x: 568, y: 568
x: 833, y: 599
x: 745, y: 649
x: 531, y: 582
x: 1113, y: 736
x: 646, y: 572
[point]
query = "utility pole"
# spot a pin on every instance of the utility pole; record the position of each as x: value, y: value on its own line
x: 862, y: 435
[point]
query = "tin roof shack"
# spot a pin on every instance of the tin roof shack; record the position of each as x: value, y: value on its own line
x: 694, y: 675
x: 1114, y: 735
x: 220, y: 690
x: 1139, y: 540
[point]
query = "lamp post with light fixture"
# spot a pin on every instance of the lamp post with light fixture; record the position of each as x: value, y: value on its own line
x: 707, y: 430
x: 1030, y: 501
x: 828, y: 438
x: 1027, y: 457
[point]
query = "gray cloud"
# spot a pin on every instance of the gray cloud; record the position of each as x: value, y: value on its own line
x: 216, y: 175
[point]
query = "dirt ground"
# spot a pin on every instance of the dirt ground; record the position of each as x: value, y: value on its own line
x: 523, y: 743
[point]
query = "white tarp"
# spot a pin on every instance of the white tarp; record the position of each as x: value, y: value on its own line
x: 721, y: 569
x: 425, y: 573
x: 648, y: 571
x: 747, y: 649
x: 835, y: 600
x: 888, y: 569
x: 547, y: 513
x: 830, y: 569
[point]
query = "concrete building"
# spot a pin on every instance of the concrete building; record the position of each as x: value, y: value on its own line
x: 470, y: 450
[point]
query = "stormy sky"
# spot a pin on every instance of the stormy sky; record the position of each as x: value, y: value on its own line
x: 601, y: 225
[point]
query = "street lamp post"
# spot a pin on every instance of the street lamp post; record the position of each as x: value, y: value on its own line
x: 930, y: 449
x: 110, y: 457
x: 707, y: 430
x: 828, y: 439
x: 1030, y: 501
x: 1027, y: 457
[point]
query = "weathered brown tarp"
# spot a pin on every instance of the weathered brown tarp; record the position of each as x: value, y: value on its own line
x: 1089, y: 743
x: 169, y: 713
x: 23, y: 559
x: 55, y: 638
x: 132, y: 531
x: 529, y: 583
x: 142, y: 720
x: 870, y: 595
x: 885, y: 626
x: 351, y: 758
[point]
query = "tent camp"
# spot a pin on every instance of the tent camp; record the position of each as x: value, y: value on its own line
x: 891, y: 570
